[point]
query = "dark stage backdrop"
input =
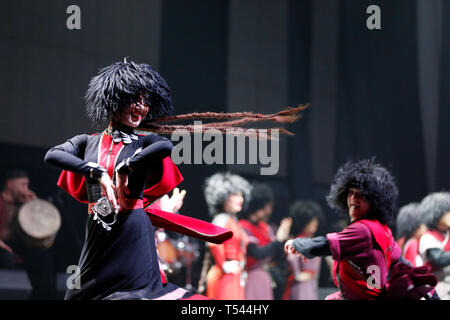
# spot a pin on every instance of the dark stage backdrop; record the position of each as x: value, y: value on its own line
x: 379, y: 93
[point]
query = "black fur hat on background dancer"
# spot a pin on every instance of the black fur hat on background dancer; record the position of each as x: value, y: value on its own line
x: 375, y: 183
x: 123, y: 83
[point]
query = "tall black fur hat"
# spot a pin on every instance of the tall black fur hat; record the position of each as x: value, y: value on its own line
x: 409, y: 220
x: 124, y: 82
x: 433, y: 207
x: 220, y: 185
x: 375, y: 183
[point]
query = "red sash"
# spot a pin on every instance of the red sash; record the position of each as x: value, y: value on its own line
x: 353, y: 280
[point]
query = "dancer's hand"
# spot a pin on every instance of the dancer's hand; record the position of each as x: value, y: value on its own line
x: 109, y: 189
x: 122, y: 189
x: 232, y: 266
x: 284, y: 229
x: 304, y: 276
x: 27, y: 196
x: 174, y: 203
x: 289, y: 249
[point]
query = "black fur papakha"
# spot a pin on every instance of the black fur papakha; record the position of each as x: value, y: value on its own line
x: 375, y: 183
x: 122, y: 83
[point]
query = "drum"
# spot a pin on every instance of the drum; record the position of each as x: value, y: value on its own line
x: 38, y: 223
x: 167, y: 252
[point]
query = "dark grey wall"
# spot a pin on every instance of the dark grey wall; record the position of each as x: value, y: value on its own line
x: 46, y: 67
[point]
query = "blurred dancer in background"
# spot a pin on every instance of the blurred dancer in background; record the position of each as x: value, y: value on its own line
x: 263, y: 244
x: 410, y: 229
x: 304, y: 275
x: 227, y: 195
x: 434, y: 245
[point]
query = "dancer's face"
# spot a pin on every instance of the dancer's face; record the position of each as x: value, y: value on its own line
x: 268, y: 209
x: 234, y: 203
x: 311, y: 228
x: 420, y: 231
x: 444, y: 222
x: 133, y: 114
x: 358, y: 206
x: 262, y: 214
x: 19, y: 189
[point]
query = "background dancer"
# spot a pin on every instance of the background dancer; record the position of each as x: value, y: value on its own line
x: 304, y: 275
x: 434, y: 245
x: 227, y: 194
x: 410, y: 229
x: 263, y: 244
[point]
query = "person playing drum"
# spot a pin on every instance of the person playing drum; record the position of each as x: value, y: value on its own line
x: 39, y: 264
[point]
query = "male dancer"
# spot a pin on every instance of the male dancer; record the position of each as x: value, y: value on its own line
x: 364, y: 252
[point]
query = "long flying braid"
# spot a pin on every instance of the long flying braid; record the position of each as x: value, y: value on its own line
x: 288, y: 115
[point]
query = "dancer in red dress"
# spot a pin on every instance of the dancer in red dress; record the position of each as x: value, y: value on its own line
x: 226, y: 195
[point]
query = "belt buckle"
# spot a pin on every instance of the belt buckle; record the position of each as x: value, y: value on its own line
x: 102, y: 211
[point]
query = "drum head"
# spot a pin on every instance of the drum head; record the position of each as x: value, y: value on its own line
x: 39, y: 219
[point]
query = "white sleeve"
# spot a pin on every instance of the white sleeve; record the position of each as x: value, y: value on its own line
x: 221, y: 220
x: 427, y: 241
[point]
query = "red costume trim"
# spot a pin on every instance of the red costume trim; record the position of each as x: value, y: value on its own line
x: 189, y: 226
x: 349, y: 277
x: 411, y: 251
x: 261, y: 232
